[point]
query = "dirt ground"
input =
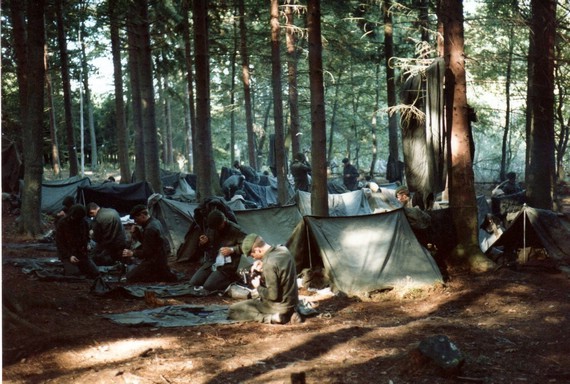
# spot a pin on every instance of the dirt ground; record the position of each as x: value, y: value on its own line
x: 511, y: 326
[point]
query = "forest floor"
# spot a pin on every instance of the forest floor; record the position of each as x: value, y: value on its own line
x: 510, y: 325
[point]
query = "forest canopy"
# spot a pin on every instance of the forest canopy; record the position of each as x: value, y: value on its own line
x: 354, y: 74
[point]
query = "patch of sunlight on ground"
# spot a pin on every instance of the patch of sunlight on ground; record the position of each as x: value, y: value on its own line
x: 115, y: 351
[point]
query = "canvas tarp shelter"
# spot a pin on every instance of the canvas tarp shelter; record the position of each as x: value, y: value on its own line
x: 355, y: 203
x: 275, y: 224
x: 54, y: 191
x: 121, y: 197
x: 175, y: 216
x: 182, y: 185
x: 343, y: 204
x: 364, y: 253
x: 265, y: 196
x: 539, y: 228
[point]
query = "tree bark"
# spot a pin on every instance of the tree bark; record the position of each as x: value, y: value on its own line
x: 540, y: 175
x: 32, y: 119
x: 120, y: 116
x: 505, y: 144
x: 461, y: 178
x: 151, y: 152
x: 280, y: 163
x: 189, y: 88
x: 251, y: 149
x: 66, y: 84
x: 54, y: 147
x: 374, y: 123
x: 295, y: 128
x: 203, y: 142
x: 233, y: 60
x: 90, y: 118
x: 134, y: 69
x: 319, y: 192
x: 394, y: 153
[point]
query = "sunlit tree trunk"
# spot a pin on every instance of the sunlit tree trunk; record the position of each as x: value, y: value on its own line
x: 280, y: 163
x: 295, y: 128
x: 461, y: 178
x: 251, y: 149
x: 120, y: 117
x: 203, y: 142
x: 540, y: 174
x: 319, y: 192
x: 66, y: 85
x: 32, y: 120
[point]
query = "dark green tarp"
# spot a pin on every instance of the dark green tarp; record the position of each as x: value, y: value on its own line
x: 54, y: 191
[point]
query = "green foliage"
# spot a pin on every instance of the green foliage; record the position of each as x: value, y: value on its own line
x: 352, y: 33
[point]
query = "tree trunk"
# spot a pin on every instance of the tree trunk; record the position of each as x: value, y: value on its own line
x: 233, y: 61
x: 295, y: 128
x: 189, y: 88
x: 374, y: 123
x: 54, y: 147
x: 319, y: 192
x: 90, y: 119
x: 251, y: 150
x: 563, y: 138
x: 393, y: 140
x: 168, y: 122
x: 32, y: 119
x: 203, y: 142
x: 120, y: 117
x: 423, y: 6
x: 506, y: 142
x: 540, y: 176
x: 333, y: 116
x: 134, y: 48
x: 280, y: 163
x: 461, y: 178
x: 66, y: 85
x: 151, y: 152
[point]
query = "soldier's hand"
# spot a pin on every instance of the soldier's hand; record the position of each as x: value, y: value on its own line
x: 74, y: 259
